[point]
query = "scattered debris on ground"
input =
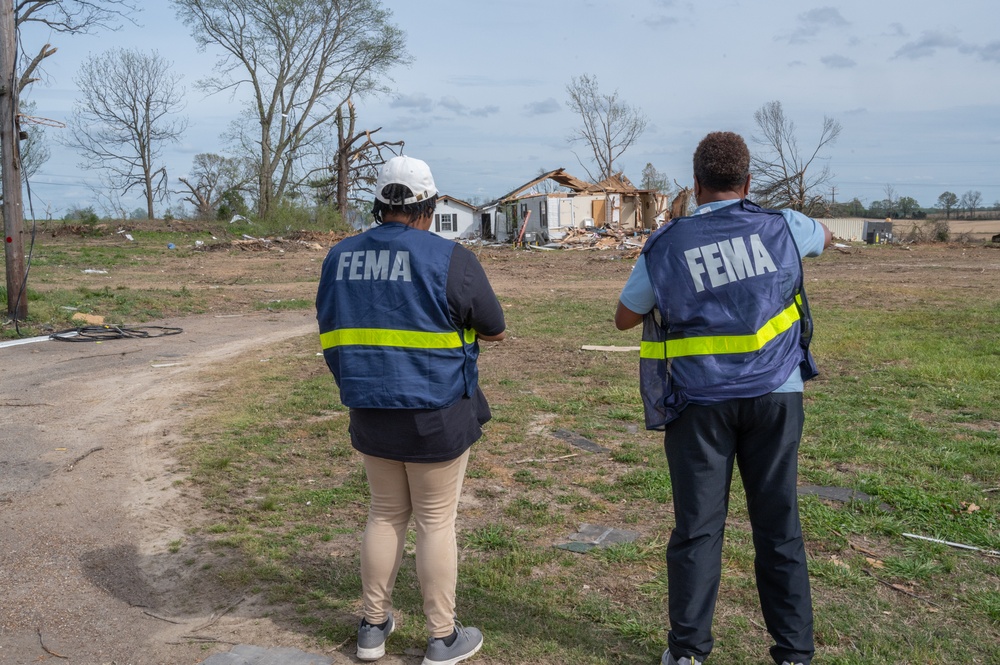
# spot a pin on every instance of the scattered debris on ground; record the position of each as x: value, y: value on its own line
x: 595, y: 535
x: 575, y: 439
x: 602, y: 239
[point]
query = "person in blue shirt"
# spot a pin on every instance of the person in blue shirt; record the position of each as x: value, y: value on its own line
x: 401, y: 312
x: 725, y: 353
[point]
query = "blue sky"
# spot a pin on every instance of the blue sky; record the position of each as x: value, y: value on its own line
x: 916, y: 87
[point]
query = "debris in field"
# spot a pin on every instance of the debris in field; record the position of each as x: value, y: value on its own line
x: 580, y: 442
x: 992, y: 553
x: 595, y: 535
x: 300, y: 239
x: 543, y: 459
x: 968, y: 507
x: 588, y: 347
x: 844, y: 494
x: 602, y: 239
x: 896, y: 587
x: 83, y: 457
x: 92, y: 271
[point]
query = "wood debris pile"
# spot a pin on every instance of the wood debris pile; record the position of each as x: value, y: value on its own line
x: 251, y: 244
x: 603, y: 239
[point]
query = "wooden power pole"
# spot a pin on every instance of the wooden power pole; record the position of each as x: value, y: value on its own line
x: 10, y: 162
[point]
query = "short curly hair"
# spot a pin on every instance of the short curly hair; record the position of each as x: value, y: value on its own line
x: 722, y: 161
x: 400, y: 193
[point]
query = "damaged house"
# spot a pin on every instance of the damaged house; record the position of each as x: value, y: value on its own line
x: 548, y: 215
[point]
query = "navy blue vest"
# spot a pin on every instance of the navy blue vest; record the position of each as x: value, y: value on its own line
x: 731, y: 320
x: 385, y: 325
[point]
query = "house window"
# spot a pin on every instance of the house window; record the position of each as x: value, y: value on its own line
x: 445, y: 222
x: 543, y: 214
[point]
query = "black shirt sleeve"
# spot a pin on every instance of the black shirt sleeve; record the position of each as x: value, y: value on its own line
x: 470, y: 295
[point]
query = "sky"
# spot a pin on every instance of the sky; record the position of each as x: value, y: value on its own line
x: 915, y: 86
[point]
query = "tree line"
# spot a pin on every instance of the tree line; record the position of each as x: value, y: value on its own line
x: 299, y: 64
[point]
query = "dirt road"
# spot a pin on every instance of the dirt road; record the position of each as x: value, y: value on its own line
x: 89, y: 505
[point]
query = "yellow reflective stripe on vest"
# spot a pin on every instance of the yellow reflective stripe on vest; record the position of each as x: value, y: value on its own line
x: 722, y: 344
x: 411, y: 339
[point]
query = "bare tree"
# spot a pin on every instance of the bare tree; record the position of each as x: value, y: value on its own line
x: 781, y: 172
x: 890, y: 200
x: 66, y: 16
x: 610, y: 125
x: 301, y: 60
x: 127, y: 113
x: 970, y: 201
x: 212, y: 178
x: 356, y: 160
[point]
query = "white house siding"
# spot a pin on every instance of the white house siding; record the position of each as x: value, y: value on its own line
x: 463, y: 219
x: 846, y: 228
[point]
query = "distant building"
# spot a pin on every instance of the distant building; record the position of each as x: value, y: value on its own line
x: 454, y: 218
x: 540, y: 216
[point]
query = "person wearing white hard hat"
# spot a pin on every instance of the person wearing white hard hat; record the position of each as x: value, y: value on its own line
x: 401, y: 312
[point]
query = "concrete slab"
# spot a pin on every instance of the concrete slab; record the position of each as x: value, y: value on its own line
x: 595, y: 535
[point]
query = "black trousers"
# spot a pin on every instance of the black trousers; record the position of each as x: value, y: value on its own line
x: 762, y: 436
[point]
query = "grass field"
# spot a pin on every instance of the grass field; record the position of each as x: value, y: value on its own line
x: 905, y: 410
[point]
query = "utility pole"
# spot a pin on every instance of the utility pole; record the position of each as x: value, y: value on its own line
x: 10, y: 162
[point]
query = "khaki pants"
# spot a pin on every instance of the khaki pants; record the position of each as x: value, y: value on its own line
x: 430, y: 493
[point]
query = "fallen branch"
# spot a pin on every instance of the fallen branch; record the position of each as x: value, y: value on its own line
x: 898, y: 588
x: 543, y: 459
x: 162, y: 618
x: 219, y: 615
x: 83, y: 457
x: 46, y: 649
x: 203, y: 638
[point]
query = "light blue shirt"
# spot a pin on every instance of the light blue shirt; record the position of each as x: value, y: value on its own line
x: 809, y: 237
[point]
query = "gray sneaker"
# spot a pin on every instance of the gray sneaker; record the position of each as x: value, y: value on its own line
x: 668, y: 659
x: 371, y: 639
x: 467, y: 642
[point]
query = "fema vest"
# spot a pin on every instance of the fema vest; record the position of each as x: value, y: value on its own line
x: 731, y: 318
x: 385, y: 325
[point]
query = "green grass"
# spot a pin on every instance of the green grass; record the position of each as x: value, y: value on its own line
x: 904, y: 411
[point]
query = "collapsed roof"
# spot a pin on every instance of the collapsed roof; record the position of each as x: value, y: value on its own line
x: 616, y: 184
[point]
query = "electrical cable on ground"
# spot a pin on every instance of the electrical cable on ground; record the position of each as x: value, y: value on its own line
x: 109, y: 332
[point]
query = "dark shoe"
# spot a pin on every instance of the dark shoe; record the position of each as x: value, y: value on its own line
x: 668, y: 659
x: 467, y: 642
x: 371, y: 639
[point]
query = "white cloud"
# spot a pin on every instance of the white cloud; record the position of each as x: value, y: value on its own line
x: 546, y: 106
x: 838, y: 62
x: 485, y: 111
x: 418, y: 101
x: 453, y: 105
x: 814, y: 21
